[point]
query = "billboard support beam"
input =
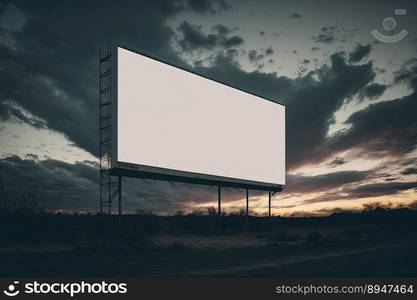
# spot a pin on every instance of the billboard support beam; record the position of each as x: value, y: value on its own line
x: 120, y: 199
x: 269, y: 204
x: 219, y: 201
x: 247, y: 206
x: 219, y: 207
x: 125, y: 172
x: 109, y: 194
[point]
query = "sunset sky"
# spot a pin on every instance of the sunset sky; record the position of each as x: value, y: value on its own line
x: 351, y: 99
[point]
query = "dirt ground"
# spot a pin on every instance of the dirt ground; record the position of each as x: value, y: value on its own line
x: 278, y: 249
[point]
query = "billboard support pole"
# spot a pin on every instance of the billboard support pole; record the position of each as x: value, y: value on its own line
x: 120, y: 199
x: 219, y: 200
x: 219, y: 207
x: 247, y: 206
x: 109, y: 194
x: 269, y: 204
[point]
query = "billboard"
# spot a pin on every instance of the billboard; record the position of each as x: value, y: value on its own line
x: 169, y: 123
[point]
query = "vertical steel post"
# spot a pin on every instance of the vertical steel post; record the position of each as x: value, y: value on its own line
x: 247, y: 206
x: 219, y: 207
x: 120, y: 199
x: 269, y: 204
x: 109, y: 195
x: 219, y: 202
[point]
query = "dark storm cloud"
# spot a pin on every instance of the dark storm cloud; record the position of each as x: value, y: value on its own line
x: 75, y: 186
x: 313, y: 184
x: 331, y: 34
x: 208, y: 6
x: 32, y: 156
x: 295, y: 15
x: 11, y: 18
x: 10, y: 113
x: 265, y: 84
x: 233, y: 53
x: 193, y: 38
x: 409, y: 171
x: 64, y: 183
x: 382, y: 129
x: 326, y: 35
x: 337, y: 162
x: 336, y: 82
x: 254, y: 56
x: 51, y: 70
x: 372, y: 91
x: 359, y: 53
x: 406, y: 162
x: 221, y: 29
x: 408, y: 73
x: 364, y: 191
x: 380, y: 189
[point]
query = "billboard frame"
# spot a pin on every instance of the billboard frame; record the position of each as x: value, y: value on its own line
x: 120, y: 168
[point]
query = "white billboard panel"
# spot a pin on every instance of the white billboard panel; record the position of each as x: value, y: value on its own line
x: 173, y: 119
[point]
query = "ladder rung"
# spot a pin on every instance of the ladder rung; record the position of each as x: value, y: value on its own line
x: 106, y: 73
x: 105, y: 90
x: 104, y: 104
x: 105, y: 58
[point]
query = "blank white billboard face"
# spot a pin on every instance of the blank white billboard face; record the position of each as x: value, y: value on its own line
x: 170, y: 118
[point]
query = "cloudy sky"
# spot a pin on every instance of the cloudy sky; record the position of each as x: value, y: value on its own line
x: 351, y: 99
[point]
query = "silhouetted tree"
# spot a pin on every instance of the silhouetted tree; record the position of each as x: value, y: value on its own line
x: 211, y: 211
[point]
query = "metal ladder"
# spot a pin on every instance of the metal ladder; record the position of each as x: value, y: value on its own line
x: 110, y: 186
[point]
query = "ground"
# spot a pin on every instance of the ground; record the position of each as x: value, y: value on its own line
x: 377, y: 244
